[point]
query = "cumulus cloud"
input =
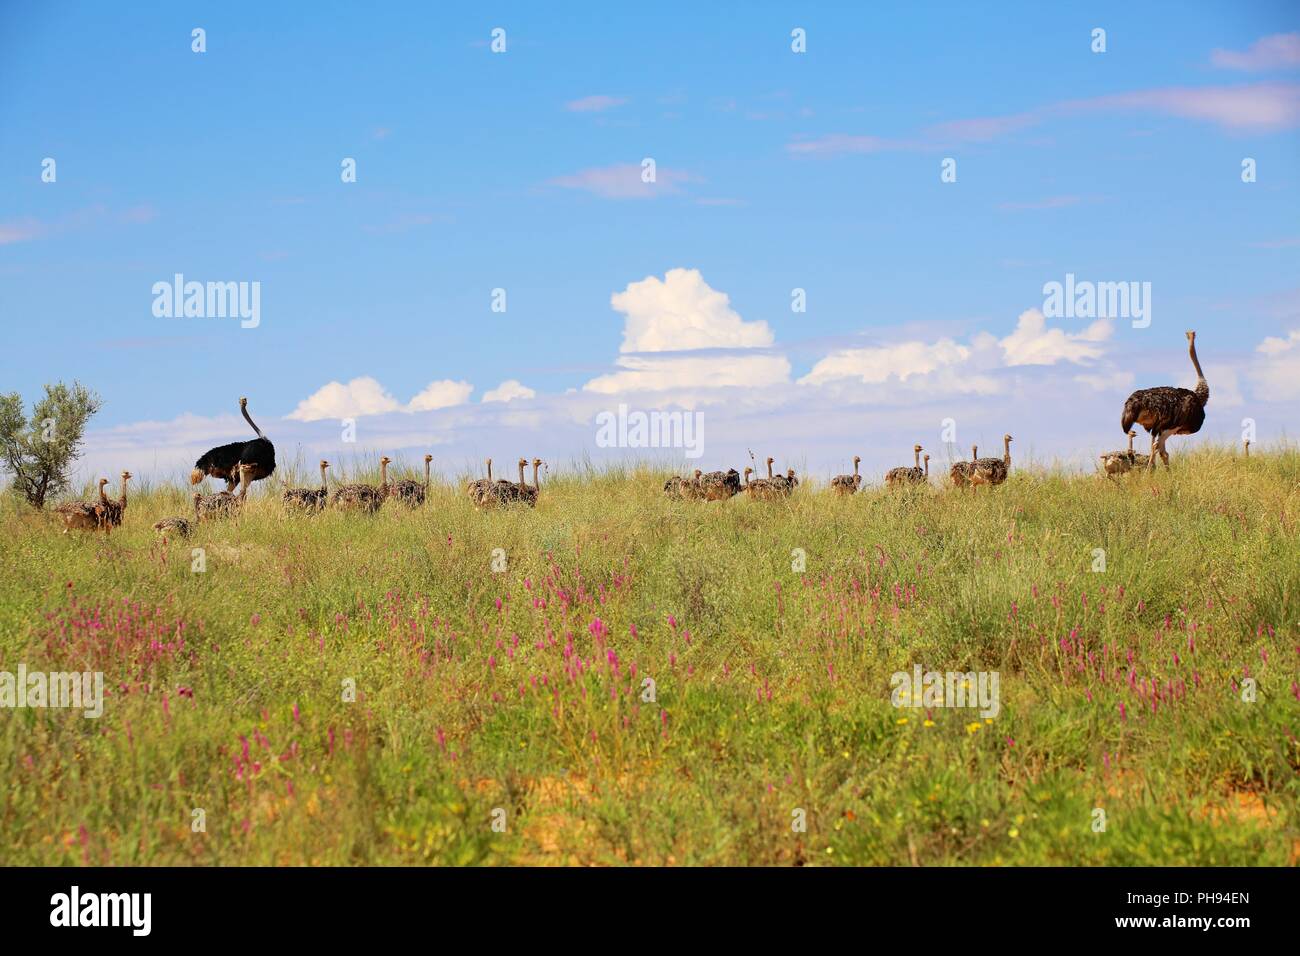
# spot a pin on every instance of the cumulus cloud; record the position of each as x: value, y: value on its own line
x: 1280, y: 51
x: 878, y: 364
x: 508, y: 391
x: 1278, y: 374
x: 365, y: 396
x: 361, y: 396
x: 674, y: 330
x: 681, y: 312
x: 1033, y: 343
x: 442, y: 394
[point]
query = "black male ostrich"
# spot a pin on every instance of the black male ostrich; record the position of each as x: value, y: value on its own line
x: 1166, y: 410
x: 223, y: 461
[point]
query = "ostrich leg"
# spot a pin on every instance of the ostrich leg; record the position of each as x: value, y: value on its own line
x: 1155, y: 448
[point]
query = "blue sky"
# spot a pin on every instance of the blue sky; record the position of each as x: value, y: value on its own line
x: 775, y: 170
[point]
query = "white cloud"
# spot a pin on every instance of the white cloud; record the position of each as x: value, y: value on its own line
x: 1278, y: 375
x: 878, y: 364
x: 361, y: 396
x: 509, y: 390
x: 1032, y: 343
x: 681, y: 312
x: 441, y: 394
x: 1108, y: 381
x: 365, y: 396
x: 643, y: 373
x: 1279, y: 51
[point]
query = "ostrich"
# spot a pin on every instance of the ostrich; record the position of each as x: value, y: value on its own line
x: 848, y: 484
x: 770, y: 489
x: 84, y: 515
x: 480, y: 488
x: 961, y: 470
x: 114, y: 511
x: 223, y: 461
x: 367, y: 498
x: 897, y: 477
x: 409, y: 491
x: 224, y: 504
x: 719, y: 485
x: 309, y: 499
x: 1166, y: 410
x: 992, y: 471
x: 528, y: 495
x: 689, y: 489
x: 180, y: 526
x: 1121, y: 462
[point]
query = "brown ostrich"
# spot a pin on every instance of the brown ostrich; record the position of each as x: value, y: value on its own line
x: 1122, y: 462
x: 992, y: 471
x: 114, y: 511
x: 765, y: 489
x: 529, y: 493
x: 1165, y: 410
x: 961, y: 471
x: 224, y: 504
x: 84, y: 515
x: 409, y: 491
x: 479, y: 489
x: 360, y: 497
x: 719, y: 485
x: 897, y: 477
x: 309, y: 500
x: 181, y: 527
x: 847, y: 484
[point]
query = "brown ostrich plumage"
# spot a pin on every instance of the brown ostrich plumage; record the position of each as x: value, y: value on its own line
x: 992, y: 471
x: 530, y: 493
x: 181, y: 527
x: 1165, y: 410
x: 409, y: 491
x: 114, y: 511
x: 719, y: 485
x: 360, y: 497
x: 1123, y: 461
x: 480, y: 489
x: 960, y: 471
x: 309, y: 500
x: 224, y: 504
x: 848, y: 484
x: 84, y: 515
x: 898, y: 477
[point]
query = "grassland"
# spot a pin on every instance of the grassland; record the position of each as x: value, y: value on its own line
x: 518, y: 695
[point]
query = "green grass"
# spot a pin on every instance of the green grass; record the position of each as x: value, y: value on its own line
x: 773, y: 687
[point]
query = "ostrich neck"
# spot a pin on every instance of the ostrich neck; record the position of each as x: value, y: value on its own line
x: 535, y: 467
x: 1130, y: 443
x: 248, y: 418
x: 769, y: 468
x: 489, y: 469
x: 521, y: 475
x: 383, y: 475
x: 122, y: 502
x: 855, y: 468
x: 324, y: 485
x: 927, y: 468
x: 916, y: 459
x: 426, y: 475
x: 1202, y: 386
x: 1006, y: 452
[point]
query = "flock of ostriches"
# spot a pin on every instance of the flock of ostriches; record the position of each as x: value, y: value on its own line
x: 1162, y: 411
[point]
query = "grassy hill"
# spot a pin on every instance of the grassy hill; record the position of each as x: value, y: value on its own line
x: 503, y: 716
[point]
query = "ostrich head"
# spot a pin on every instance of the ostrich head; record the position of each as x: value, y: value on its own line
x: 428, y: 458
x: 748, y: 471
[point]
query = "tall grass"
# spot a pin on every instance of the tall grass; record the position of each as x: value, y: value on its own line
x: 524, y: 690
